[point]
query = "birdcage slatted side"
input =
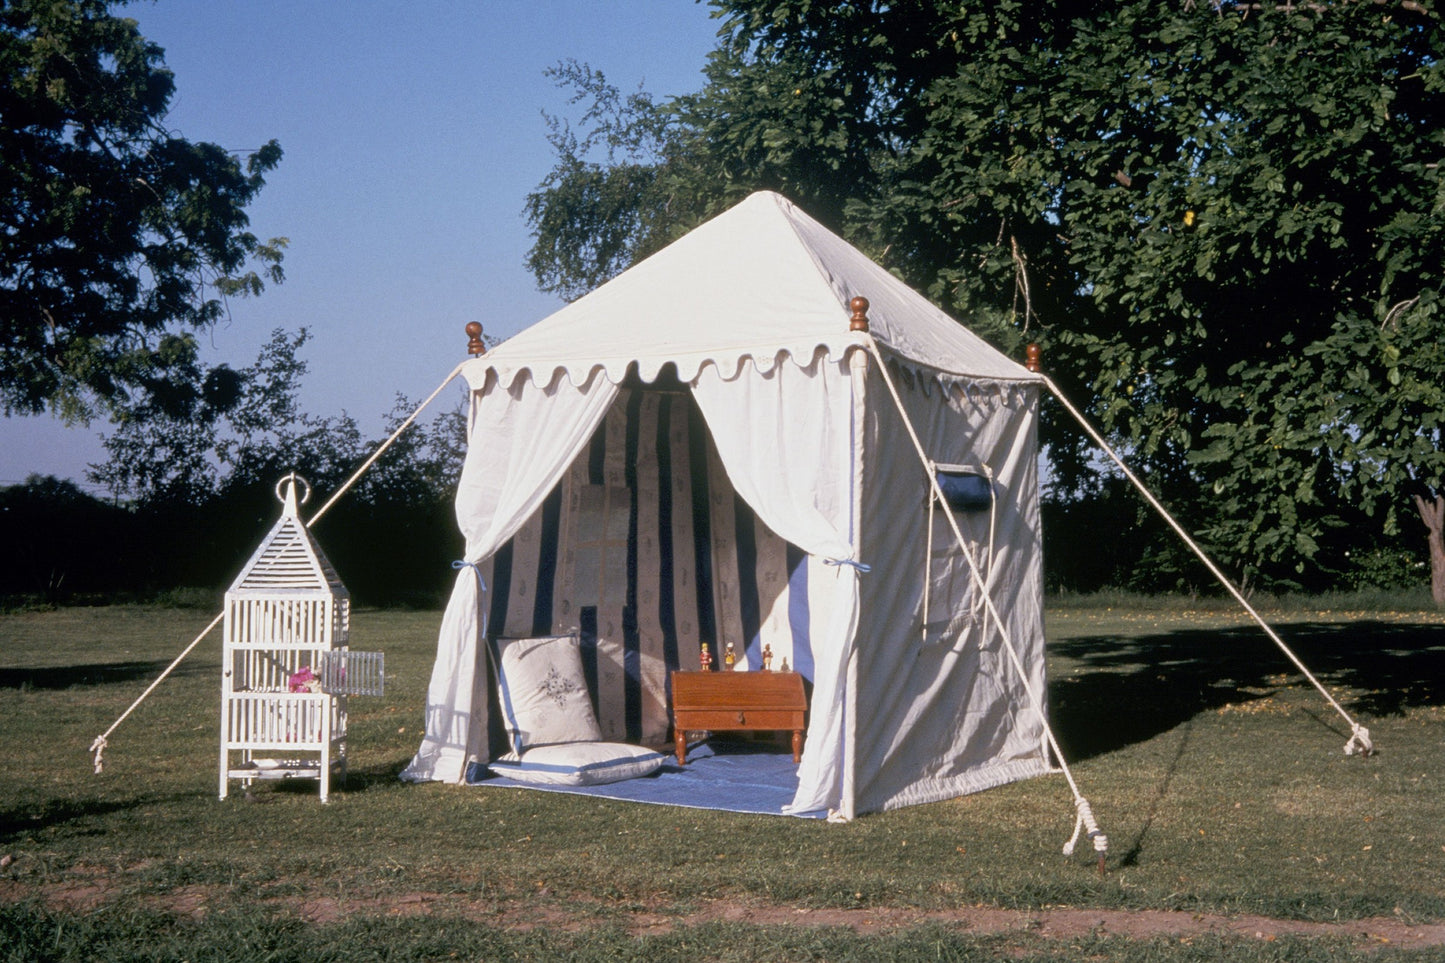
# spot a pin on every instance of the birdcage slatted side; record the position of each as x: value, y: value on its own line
x: 302, y: 735
x: 269, y: 731
x: 341, y: 620
x: 265, y: 670
x: 320, y: 622
x: 344, y: 672
x: 293, y: 721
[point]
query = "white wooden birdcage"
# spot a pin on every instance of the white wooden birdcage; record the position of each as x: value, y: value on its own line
x: 286, y: 666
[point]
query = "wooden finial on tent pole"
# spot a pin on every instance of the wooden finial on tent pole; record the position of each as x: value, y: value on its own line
x: 474, y: 338
x: 1033, y: 358
x: 859, y: 320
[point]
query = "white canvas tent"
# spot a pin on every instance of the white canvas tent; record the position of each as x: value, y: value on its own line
x: 701, y: 450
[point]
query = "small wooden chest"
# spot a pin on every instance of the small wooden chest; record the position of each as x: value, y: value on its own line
x: 737, y: 701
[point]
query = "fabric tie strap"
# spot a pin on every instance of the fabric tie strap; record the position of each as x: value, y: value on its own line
x: 462, y: 563
x: 850, y: 562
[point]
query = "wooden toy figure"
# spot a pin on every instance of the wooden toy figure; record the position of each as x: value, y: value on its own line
x: 730, y: 657
x: 767, y: 657
x: 785, y: 665
x: 705, y: 659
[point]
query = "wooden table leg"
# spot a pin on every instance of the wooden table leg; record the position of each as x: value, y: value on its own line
x: 797, y: 746
x: 681, y: 741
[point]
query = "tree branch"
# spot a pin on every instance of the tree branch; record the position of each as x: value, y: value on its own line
x: 1432, y: 512
x: 1395, y: 312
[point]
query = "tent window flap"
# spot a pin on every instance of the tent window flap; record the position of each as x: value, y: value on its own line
x: 950, y: 602
x: 964, y: 490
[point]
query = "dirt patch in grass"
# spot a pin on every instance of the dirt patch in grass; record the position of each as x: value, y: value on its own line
x: 1057, y: 923
x: 542, y: 912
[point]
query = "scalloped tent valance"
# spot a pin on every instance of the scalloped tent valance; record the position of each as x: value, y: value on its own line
x: 761, y: 282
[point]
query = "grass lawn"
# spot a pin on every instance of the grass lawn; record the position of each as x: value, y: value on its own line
x: 1217, y: 774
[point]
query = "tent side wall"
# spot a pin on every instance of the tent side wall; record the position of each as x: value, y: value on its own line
x: 941, y: 711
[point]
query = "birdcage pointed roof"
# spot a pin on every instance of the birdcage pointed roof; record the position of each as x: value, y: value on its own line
x: 289, y: 560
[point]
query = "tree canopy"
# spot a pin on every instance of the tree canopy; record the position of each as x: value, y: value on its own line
x: 1225, y: 223
x: 119, y: 239
x: 199, y: 489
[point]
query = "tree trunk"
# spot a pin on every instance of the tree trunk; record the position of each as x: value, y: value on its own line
x: 1432, y: 513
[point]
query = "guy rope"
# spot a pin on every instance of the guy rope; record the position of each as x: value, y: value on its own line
x: 1359, y: 740
x: 101, y: 741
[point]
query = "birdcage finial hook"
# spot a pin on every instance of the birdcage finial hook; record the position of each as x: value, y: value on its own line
x: 286, y: 494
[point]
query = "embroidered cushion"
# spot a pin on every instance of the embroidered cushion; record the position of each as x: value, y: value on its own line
x: 579, y: 764
x: 544, y: 693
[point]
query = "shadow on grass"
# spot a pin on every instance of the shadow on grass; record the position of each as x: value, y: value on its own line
x: 24, y: 820
x: 1127, y: 690
x: 379, y: 774
x: 99, y: 673
x: 358, y: 780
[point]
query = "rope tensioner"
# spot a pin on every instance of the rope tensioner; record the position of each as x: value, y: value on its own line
x: 98, y: 747
x: 1084, y: 822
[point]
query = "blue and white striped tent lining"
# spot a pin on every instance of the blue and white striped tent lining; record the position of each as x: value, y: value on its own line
x: 646, y: 551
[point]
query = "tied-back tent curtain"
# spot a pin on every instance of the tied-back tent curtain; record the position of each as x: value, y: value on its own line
x: 785, y: 430
x: 787, y: 439
x: 521, y: 438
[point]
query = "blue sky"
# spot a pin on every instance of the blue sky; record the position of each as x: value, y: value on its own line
x: 412, y: 134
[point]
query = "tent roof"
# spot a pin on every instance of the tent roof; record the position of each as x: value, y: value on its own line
x: 759, y: 282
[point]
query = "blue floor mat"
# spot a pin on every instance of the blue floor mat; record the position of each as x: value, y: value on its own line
x: 731, y: 777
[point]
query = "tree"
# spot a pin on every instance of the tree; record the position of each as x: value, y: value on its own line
x: 50, y: 530
x: 212, y: 451
x: 202, y: 486
x: 1223, y: 221
x: 118, y: 238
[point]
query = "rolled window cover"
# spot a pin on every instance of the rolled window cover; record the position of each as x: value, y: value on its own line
x: 965, y: 491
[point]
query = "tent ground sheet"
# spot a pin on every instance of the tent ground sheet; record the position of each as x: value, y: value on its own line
x: 725, y: 776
